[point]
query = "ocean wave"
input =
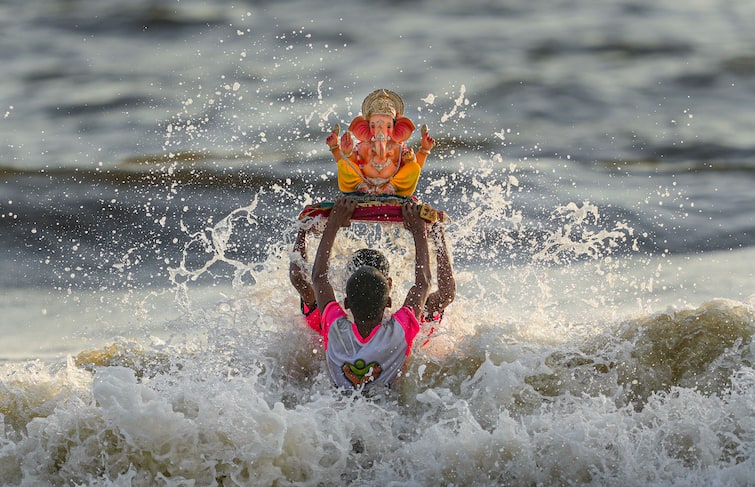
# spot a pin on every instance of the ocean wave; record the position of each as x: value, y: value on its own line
x: 700, y: 349
x: 156, y: 171
x: 691, y: 158
x: 115, y: 18
x: 653, y: 400
x: 134, y: 219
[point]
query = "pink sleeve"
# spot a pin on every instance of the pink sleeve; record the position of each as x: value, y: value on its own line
x: 408, y: 321
x: 330, y: 314
x: 312, y: 316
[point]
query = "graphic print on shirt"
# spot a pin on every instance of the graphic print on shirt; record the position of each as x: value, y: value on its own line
x: 360, y: 373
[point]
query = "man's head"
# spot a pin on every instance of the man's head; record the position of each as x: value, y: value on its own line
x: 367, y: 294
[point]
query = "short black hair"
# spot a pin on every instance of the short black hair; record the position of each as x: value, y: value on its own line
x: 371, y: 258
x: 368, y: 293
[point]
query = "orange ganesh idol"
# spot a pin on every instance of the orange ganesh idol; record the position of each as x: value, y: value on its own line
x: 380, y: 163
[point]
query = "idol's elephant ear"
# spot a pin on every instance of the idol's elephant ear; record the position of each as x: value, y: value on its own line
x: 360, y: 127
x: 402, y: 129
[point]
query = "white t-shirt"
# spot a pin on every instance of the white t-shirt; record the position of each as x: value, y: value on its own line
x: 377, y: 359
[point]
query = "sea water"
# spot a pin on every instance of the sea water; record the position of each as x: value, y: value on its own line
x: 595, y: 160
x: 592, y: 372
x: 508, y: 391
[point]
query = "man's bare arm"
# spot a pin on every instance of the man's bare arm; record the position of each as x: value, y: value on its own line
x: 446, y: 293
x: 340, y: 216
x: 417, y: 295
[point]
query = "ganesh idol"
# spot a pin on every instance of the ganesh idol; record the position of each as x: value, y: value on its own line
x: 380, y: 163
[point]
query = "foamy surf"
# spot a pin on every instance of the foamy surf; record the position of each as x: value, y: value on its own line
x: 664, y: 399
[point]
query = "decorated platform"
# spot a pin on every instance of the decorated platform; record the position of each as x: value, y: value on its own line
x: 372, y: 208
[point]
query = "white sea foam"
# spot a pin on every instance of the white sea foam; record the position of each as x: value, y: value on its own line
x: 539, y: 393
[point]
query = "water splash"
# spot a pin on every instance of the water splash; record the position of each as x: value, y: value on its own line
x: 250, y: 407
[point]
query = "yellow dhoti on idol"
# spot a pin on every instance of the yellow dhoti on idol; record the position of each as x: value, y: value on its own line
x: 404, y: 181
